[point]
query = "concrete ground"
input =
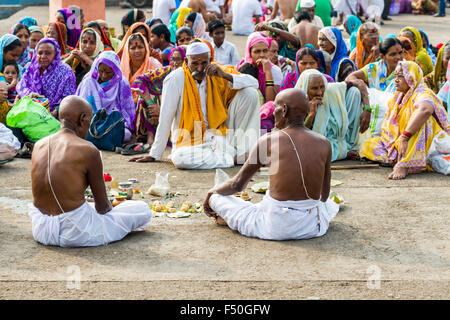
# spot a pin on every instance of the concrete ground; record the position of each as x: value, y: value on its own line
x: 389, y: 241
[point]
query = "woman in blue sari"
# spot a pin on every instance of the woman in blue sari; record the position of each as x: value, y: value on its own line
x: 331, y: 41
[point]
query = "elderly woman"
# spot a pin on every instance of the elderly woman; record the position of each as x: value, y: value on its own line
x: 436, y: 79
x: 104, y: 87
x: 414, y: 117
x: 331, y: 41
x: 422, y: 57
x: 57, y: 31
x: 269, y: 75
x: 81, y: 59
x: 136, y: 58
x: 335, y: 111
x: 150, y: 86
x: 367, y: 49
x: 47, y: 75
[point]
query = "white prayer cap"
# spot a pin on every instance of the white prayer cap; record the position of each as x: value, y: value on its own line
x: 197, y: 48
x: 307, y: 4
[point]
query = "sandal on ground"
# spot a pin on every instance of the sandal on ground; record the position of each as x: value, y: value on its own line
x: 136, y: 149
x: 26, y: 151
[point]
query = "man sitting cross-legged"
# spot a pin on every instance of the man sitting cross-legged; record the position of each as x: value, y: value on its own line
x: 210, y: 112
x: 63, y: 166
x: 296, y: 205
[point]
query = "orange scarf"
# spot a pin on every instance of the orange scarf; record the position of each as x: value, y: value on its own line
x: 357, y: 54
x: 150, y: 63
x: 219, y: 96
x: 130, y: 31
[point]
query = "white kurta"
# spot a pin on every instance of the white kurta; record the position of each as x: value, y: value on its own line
x: 84, y: 227
x: 243, y: 124
x: 227, y: 54
x: 271, y: 219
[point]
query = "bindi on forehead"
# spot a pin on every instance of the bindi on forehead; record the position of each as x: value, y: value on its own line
x: 89, y: 37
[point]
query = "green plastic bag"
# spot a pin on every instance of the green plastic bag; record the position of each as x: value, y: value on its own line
x: 34, y: 120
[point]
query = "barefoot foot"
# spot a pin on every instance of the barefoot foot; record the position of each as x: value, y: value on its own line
x: 353, y: 155
x: 220, y: 221
x: 398, y: 173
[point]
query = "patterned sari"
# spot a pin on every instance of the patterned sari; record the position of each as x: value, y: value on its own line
x: 401, y: 108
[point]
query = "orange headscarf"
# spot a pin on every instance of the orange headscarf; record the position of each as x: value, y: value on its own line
x: 130, y: 31
x: 150, y: 63
x: 61, y: 30
x: 357, y: 54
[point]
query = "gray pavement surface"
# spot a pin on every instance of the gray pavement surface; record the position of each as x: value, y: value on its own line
x: 392, y: 231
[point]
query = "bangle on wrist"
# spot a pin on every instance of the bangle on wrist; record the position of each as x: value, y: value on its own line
x: 406, y: 134
x: 367, y: 108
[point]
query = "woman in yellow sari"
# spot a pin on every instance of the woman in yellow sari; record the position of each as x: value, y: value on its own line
x: 436, y: 79
x: 414, y: 117
x: 422, y: 56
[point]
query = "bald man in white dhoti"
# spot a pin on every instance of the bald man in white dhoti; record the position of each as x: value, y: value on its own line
x: 297, y: 204
x: 210, y: 112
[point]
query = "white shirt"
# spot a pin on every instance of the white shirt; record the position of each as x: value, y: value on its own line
x: 227, y: 54
x: 277, y: 75
x: 161, y: 9
x: 243, y: 13
x: 214, y: 5
x: 172, y: 104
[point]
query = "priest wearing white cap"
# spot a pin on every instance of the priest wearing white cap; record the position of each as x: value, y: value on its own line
x: 210, y: 112
x: 310, y: 5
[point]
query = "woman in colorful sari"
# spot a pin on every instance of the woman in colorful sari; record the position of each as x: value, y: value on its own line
x: 436, y: 79
x: 379, y: 77
x: 427, y: 46
x: 107, y: 45
x: 414, y: 117
x: 136, y: 58
x: 57, y: 31
x: 351, y: 25
x: 367, y: 49
x: 306, y: 59
x: 73, y: 26
x: 331, y: 41
x: 82, y: 58
x: 195, y: 21
x: 150, y: 86
x: 138, y: 27
x: 422, y: 57
x: 21, y: 31
x: 269, y: 75
x: 104, y: 87
x: 47, y: 75
x: 335, y: 111
x: 36, y: 34
x: 133, y: 16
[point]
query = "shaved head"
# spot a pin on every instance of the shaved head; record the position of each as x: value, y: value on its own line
x: 75, y: 113
x: 291, y: 107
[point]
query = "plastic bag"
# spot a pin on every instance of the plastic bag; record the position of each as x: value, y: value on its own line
x: 220, y: 178
x: 439, y: 153
x: 441, y: 163
x: 34, y: 120
x: 161, y: 186
x: 8, y: 138
x: 379, y: 104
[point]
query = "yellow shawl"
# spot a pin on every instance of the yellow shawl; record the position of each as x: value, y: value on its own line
x: 219, y: 96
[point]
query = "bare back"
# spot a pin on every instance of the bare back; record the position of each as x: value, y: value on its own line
x: 287, y: 8
x: 71, y: 160
x: 286, y: 181
x: 307, y: 32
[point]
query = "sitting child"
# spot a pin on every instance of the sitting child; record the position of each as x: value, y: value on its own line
x: 11, y: 72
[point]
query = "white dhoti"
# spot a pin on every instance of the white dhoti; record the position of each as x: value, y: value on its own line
x: 243, y: 125
x: 271, y: 219
x: 84, y: 227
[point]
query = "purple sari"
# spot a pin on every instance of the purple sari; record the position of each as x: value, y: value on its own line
x: 55, y: 83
